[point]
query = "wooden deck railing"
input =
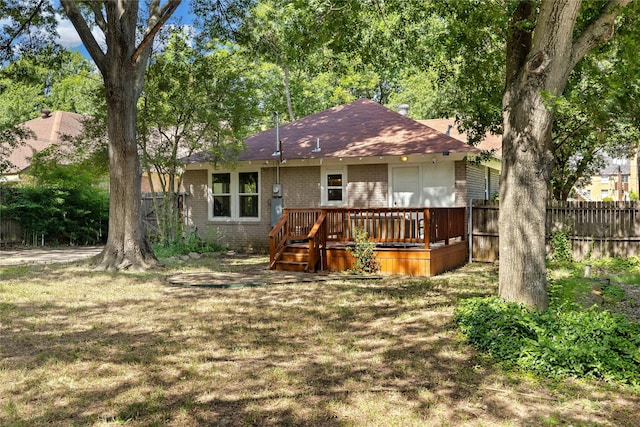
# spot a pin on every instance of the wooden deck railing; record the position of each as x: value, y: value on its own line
x: 446, y: 223
x: 278, y: 238
x: 383, y: 226
x: 317, y: 243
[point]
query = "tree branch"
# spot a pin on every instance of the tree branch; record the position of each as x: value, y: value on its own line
x: 559, y: 145
x: 597, y: 32
x: 97, y: 13
x: 23, y: 25
x: 160, y: 18
x: 73, y: 13
x: 518, y: 39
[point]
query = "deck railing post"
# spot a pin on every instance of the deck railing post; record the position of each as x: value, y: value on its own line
x: 272, y: 250
x: 448, y: 227
x: 427, y: 228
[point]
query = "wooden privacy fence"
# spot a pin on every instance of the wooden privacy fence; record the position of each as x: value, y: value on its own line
x: 10, y: 232
x: 596, y: 229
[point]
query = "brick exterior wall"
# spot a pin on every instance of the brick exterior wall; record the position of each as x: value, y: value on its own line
x: 251, y: 236
x: 301, y: 186
x: 196, y: 207
x: 301, y: 189
x: 368, y: 186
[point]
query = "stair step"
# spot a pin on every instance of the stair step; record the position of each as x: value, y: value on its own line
x: 297, y: 248
x: 294, y: 257
x: 291, y: 266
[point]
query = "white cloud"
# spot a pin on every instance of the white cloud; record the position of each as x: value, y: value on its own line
x: 68, y: 36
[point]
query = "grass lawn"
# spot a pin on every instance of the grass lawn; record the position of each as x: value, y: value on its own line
x: 79, y: 347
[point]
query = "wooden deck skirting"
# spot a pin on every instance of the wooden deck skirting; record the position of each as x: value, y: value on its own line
x: 403, y: 247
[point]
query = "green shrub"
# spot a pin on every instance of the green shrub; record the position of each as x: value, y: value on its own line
x: 190, y: 243
x: 561, y: 246
x: 363, y: 252
x: 613, y: 293
x: 556, y: 343
x: 62, y: 215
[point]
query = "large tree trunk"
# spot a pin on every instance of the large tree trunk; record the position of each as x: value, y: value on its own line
x: 539, y: 61
x: 523, y: 199
x: 122, y: 65
x: 127, y: 246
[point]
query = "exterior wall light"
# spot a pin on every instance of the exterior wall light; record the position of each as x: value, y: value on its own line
x: 403, y: 158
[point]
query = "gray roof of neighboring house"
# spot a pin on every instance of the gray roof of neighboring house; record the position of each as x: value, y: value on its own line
x: 615, y: 166
x: 362, y: 128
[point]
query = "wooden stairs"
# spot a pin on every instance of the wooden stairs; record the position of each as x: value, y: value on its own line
x: 295, y: 257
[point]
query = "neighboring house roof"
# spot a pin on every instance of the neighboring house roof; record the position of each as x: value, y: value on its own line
x: 582, y: 195
x: 615, y: 166
x: 362, y: 128
x: 48, y: 129
x: 448, y: 126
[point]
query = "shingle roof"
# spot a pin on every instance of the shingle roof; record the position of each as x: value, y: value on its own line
x: 47, y: 131
x: 489, y: 143
x: 361, y: 128
x: 617, y: 165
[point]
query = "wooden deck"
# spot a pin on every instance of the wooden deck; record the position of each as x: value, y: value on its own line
x: 317, y: 239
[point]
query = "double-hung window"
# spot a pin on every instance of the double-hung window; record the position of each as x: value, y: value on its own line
x: 235, y: 195
x: 221, y: 189
x: 248, y: 195
x: 334, y: 187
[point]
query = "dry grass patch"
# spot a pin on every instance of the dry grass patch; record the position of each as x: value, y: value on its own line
x: 80, y: 347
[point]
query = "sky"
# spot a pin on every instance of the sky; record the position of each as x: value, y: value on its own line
x: 69, y: 38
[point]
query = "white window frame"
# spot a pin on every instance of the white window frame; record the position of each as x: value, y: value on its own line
x: 326, y: 171
x: 235, y: 195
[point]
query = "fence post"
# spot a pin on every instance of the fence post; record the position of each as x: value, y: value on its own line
x: 470, y: 230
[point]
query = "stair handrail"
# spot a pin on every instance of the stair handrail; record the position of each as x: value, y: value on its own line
x: 317, y: 238
x: 278, y: 237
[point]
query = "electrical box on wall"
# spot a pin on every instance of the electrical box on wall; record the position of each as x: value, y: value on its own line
x: 276, y: 210
x: 277, y: 190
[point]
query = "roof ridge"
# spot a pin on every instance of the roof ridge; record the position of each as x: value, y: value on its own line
x: 55, y: 128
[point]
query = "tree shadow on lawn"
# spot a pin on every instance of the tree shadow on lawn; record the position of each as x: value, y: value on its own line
x: 330, y: 354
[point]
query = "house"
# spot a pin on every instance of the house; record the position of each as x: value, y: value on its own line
x: 490, y: 144
x: 50, y: 129
x: 614, y: 182
x: 361, y: 155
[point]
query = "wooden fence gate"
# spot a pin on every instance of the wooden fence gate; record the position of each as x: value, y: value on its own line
x: 595, y: 229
